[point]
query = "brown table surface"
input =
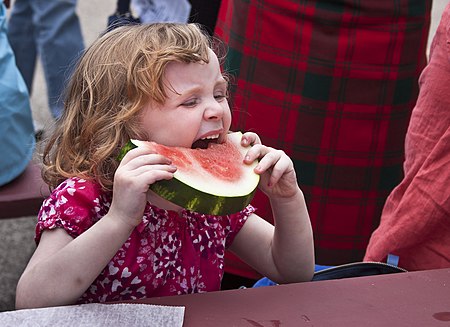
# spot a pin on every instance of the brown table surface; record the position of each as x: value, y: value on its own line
x: 404, y: 299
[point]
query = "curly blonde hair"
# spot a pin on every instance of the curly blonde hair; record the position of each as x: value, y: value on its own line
x: 115, y: 78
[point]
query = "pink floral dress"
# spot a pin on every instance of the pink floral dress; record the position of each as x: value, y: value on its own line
x: 166, y: 254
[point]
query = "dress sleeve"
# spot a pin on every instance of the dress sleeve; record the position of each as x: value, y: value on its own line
x: 74, y: 205
x: 237, y: 220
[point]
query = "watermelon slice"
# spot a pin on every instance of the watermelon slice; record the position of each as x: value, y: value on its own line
x: 212, y: 181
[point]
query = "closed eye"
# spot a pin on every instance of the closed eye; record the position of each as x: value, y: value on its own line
x: 221, y: 93
x: 190, y: 103
x: 220, y: 97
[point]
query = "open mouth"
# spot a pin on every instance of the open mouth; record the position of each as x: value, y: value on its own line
x: 204, y: 142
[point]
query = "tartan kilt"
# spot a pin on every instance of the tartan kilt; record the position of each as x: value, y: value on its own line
x: 333, y: 84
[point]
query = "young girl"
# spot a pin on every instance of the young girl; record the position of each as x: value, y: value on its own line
x: 102, y: 235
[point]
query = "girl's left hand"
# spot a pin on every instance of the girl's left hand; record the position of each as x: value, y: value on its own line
x: 278, y: 178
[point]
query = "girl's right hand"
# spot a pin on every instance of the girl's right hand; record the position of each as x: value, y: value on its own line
x: 138, y: 170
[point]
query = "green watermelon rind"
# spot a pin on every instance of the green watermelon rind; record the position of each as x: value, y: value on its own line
x: 192, y: 199
x: 127, y: 147
x: 187, y: 196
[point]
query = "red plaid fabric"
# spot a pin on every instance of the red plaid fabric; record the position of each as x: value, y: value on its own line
x: 333, y: 84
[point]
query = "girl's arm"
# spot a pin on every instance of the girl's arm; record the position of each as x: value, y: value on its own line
x: 284, y: 252
x: 62, y: 268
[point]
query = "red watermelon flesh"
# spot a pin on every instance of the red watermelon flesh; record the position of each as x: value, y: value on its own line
x: 218, y: 160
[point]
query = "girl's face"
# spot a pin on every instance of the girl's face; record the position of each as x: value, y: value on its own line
x: 196, y: 107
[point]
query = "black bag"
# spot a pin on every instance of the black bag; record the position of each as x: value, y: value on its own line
x: 349, y: 270
x: 122, y: 16
x: 356, y: 269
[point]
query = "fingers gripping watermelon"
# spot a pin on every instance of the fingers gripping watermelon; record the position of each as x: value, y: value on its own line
x: 211, y: 181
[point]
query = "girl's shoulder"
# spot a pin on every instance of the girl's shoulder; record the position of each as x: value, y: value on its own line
x: 74, y: 190
x: 75, y: 205
x: 76, y: 185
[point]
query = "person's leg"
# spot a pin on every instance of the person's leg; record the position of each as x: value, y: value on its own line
x: 22, y: 41
x: 205, y: 13
x: 60, y: 42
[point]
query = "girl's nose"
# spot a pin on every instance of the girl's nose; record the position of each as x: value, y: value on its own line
x: 214, y: 110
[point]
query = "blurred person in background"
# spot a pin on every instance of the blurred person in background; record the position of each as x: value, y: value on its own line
x: 16, y: 126
x: 415, y: 224
x: 50, y: 29
x: 333, y: 84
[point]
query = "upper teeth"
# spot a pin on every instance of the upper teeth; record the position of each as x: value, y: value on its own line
x: 211, y: 137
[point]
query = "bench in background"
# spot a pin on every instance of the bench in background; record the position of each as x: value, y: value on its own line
x: 24, y: 195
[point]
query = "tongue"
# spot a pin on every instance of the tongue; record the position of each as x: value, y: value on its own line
x: 202, y: 144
